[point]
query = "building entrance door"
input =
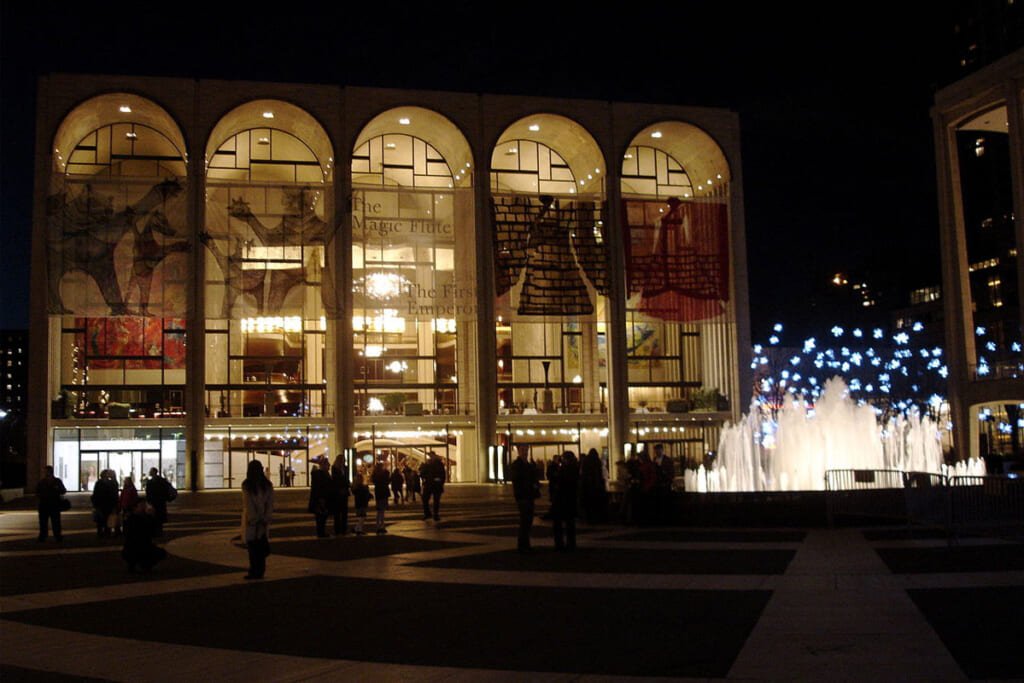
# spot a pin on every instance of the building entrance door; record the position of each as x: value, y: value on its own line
x: 134, y: 463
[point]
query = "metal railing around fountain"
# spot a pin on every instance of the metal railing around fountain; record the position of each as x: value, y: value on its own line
x: 958, y: 504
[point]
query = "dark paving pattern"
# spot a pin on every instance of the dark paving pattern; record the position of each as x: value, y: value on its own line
x: 457, y: 525
x: 60, y: 571
x: 91, y: 540
x: 965, y: 558
x: 526, y: 630
x: 924, y: 533
x: 979, y: 627
x: 16, y: 674
x: 712, y: 536
x: 611, y: 560
x: 538, y: 531
x: 356, y: 547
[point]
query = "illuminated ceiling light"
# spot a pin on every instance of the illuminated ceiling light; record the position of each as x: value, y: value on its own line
x: 467, y: 164
x: 590, y: 176
x: 597, y: 170
x: 263, y: 141
x: 390, y: 145
x: 582, y: 181
x: 534, y: 127
x: 512, y: 150
x: 627, y: 156
x: 656, y: 134
x: 404, y: 121
x: 268, y: 114
x: 125, y: 109
x: 719, y: 176
x: 131, y: 135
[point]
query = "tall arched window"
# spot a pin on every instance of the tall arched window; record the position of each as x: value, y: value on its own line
x: 117, y: 263
x: 551, y: 274
x: 269, y: 294
x: 680, y: 324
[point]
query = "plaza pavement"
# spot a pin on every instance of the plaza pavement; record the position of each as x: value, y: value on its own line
x: 456, y: 602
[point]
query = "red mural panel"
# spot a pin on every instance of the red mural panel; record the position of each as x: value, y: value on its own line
x: 677, y: 258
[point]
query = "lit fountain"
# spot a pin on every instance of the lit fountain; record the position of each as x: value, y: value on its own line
x: 758, y: 454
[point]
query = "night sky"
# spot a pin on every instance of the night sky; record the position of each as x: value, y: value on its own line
x: 833, y: 100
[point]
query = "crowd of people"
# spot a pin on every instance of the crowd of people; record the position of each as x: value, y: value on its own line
x: 574, y: 486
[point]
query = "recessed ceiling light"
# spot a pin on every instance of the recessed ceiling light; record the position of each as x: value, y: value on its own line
x: 390, y: 145
x: 656, y: 134
x: 268, y: 114
x: 125, y: 109
x: 534, y: 127
x: 131, y: 135
x: 404, y: 121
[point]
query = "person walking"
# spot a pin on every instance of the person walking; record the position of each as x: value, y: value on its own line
x: 361, y: 501
x: 342, y: 487
x: 381, y: 480
x: 158, y: 493
x: 433, y: 477
x: 397, y: 481
x: 320, y: 489
x: 412, y: 482
x: 526, y: 489
x: 257, y: 512
x: 104, y: 502
x: 564, y: 504
x: 50, y: 492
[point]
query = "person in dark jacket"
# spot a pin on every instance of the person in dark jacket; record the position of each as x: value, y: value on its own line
x: 593, y: 490
x: 433, y: 476
x: 104, y: 502
x: 381, y: 480
x: 526, y: 489
x: 50, y: 491
x: 139, y: 530
x: 320, y: 492
x: 397, y: 481
x: 360, y: 500
x: 563, y: 510
x: 158, y: 493
x: 342, y: 487
x: 664, y: 475
x: 412, y: 482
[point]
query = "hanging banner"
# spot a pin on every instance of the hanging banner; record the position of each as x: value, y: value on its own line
x: 677, y: 258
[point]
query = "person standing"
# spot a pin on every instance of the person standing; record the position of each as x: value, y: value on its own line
x: 139, y: 550
x: 158, y: 493
x: 526, y: 489
x: 50, y: 492
x: 104, y: 502
x: 361, y: 501
x: 257, y: 511
x: 433, y: 475
x: 342, y: 487
x: 320, y: 487
x: 564, y: 504
x: 381, y: 480
x: 664, y: 475
x: 126, y: 502
x: 592, y: 488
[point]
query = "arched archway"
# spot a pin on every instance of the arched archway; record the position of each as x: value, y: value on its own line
x: 680, y: 322
x: 414, y: 274
x: 551, y: 273
x: 117, y: 274
x: 269, y: 278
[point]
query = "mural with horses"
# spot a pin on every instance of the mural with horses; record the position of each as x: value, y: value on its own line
x: 117, y: 247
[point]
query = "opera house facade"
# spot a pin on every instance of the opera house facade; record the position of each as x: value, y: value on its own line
x: 229, y: 270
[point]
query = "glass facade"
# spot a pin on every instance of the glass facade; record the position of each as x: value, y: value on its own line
x: 200, y: 293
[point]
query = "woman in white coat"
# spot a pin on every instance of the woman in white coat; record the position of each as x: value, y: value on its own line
x: 257, y: 511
